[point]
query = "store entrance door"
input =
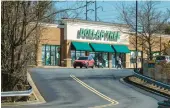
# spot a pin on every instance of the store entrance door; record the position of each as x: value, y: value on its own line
x: 101, y: 59
x: 122, y: 56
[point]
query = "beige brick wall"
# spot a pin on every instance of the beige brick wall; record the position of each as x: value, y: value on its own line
x: 67, y: 53
x: 127, y: 60
x: 50, y: 36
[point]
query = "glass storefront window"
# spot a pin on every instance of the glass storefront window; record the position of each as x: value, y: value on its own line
x: 47, y: 56
x: 133, y: 56
x: 121, y: 56
x: 105, y: 60
x: 57, y: 50
x: 50, y: 55
x: 73, y: 56
x: 43, y: 55
x: 77, y: 54
x: 82, y: 53
x: 53, y: 58
x: 113, y: 60
x: 92, y: 54
x: 101, y: 59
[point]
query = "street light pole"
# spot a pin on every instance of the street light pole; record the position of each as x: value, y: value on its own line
x: 86, y: 9
x: 95, y: 10
x: 136, y: 34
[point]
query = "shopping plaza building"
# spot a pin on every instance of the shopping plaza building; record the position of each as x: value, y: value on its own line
x: 61, y: 44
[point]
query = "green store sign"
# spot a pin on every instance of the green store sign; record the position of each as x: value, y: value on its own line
x: 98, y: 35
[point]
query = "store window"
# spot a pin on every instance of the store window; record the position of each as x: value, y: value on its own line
x: 133, y: 56
x: 51, y: 55
x: 105, y: 58
x: 75, y: 55
x: 102, y: 59
x: 122, y: 56
x: 92, y: 54
x: 113, y: 60
x: 43, y: 54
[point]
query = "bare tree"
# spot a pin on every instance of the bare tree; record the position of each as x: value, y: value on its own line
x: 166, y: 51
x: 74, y: 14
x: 150, y: 20
x: 20, y: 22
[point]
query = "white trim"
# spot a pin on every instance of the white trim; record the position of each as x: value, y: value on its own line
x: 46, y: 24
x: 49, y: 25
x: 93, y: 22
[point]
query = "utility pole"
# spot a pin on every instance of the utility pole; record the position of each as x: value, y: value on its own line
x: 142, y: 54
x: 136, y: 35
x: 88, y: 2
x: 86, y: 9
x: 95, y: 10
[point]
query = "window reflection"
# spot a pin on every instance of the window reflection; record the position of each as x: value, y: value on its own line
x: 50, y: 55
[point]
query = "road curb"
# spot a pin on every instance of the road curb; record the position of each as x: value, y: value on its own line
x: 36, y: 92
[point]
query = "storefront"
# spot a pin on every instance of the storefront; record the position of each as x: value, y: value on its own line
x: 104, y: 42
x: 61, y: 45
x: 99, y: 52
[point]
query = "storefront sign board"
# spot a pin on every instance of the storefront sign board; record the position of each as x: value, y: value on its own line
x: 98, y: 35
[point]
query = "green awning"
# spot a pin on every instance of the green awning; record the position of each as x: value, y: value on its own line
x: 121, y: 48
x: 101, y: 47
x: 81, y: 46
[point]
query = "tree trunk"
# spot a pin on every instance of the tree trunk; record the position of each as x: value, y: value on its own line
x: 150, y: 50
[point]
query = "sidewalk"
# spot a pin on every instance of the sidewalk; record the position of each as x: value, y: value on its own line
x: 63, y: 67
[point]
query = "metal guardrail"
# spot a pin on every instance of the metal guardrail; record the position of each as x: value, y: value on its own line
x: 165, y: 103
x: 150, y: 80
x: 17, y: 93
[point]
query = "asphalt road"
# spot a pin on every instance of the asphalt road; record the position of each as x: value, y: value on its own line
x: 87, y: 88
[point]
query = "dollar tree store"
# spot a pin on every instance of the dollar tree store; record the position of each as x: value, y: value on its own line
x: 61, y: 44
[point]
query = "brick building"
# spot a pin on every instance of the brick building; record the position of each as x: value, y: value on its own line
x: 61, y: 44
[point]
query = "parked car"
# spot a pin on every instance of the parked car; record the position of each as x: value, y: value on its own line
x: 84, y: 61
x: 162, y: 58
